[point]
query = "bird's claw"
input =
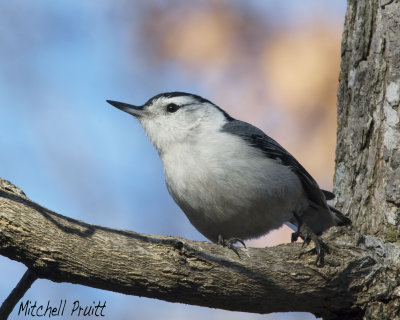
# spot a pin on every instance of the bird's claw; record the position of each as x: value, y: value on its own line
x: 229, y: 243
x: 320, y: 247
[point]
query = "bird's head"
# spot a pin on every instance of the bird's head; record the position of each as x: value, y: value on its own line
x: 176, y: 117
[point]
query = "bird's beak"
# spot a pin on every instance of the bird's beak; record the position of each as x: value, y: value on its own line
x: 133, y: 110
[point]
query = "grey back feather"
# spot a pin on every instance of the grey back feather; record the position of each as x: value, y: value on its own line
x: 272, y: 149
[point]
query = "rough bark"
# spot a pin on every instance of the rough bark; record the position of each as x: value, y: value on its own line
x: 359, y: 270
x: 368, y: 148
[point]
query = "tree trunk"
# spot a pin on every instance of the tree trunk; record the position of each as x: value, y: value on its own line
x: 367, y: 177
x: 368, y: 147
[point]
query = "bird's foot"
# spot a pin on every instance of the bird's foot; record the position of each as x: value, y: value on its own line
x: 307, y: 235
x: 229, y: 243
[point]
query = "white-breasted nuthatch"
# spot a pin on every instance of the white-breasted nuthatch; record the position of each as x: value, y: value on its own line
x: 231, y: 180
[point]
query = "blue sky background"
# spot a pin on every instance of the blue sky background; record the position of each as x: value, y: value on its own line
x: 73, y: 153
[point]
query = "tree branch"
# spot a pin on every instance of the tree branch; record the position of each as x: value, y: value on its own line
x: 267, y: 280
x: 23, y: 286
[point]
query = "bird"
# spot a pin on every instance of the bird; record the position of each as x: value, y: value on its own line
x: 232, y: 181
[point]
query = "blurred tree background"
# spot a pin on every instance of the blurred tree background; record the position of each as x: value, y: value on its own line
x: 274, y: 64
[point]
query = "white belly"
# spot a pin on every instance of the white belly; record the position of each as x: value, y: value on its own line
x: 234, y: 193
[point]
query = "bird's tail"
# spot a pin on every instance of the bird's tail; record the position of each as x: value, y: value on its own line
x: 319, y: 219
x: 339, y: 217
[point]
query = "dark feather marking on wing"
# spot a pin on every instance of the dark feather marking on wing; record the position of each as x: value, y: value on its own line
x: 272, y: 149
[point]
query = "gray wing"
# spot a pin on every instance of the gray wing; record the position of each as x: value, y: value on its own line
x: 272, y: 149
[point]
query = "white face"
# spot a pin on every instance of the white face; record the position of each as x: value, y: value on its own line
x: 169, y: 120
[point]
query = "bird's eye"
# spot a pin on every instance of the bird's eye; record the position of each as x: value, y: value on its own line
x: 172, y: 107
